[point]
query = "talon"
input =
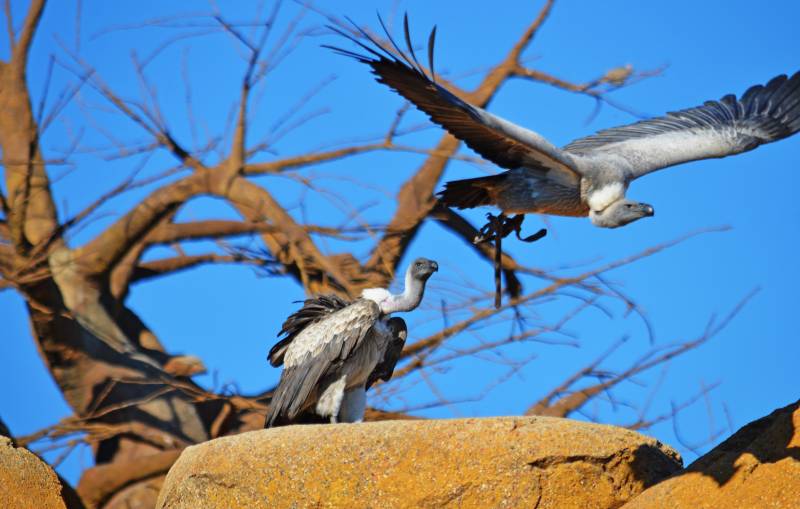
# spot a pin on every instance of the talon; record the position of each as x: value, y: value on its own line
x: 489, y: 231
x: 516, y: 223
x: 533, y: 238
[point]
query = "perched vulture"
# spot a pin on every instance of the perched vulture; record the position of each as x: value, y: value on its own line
x: 588, y: 177
x: 334, y: 350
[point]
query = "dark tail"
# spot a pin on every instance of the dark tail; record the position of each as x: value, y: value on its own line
x: 470, y: 193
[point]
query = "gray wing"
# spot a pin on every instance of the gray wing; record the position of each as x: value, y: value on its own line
x: 396, y: 327
x: 320, y: 348
x: 765, y: 113
x: 500, y: 141
x: 313, y: 310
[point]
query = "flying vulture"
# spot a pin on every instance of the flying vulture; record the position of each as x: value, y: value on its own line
x: 588, y: 177
x: 334, y: 350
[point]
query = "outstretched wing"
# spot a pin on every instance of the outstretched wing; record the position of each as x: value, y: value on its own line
x: 765, y: 113
x: 313, y: 310
x: 319, y: 348
x: 396, y: 327
x: 500, y: 141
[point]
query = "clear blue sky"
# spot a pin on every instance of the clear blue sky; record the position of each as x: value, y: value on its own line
x: 228, y: 316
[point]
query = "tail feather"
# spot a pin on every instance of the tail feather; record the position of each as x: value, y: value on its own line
x: 470, y: 193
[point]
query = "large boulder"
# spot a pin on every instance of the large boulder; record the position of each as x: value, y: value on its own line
x: 28, y: 482
x: 497, y: 462
x: 759, y: 466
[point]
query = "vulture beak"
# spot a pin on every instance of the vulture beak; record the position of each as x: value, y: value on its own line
x: 434, y: 266
x: 648, y: 210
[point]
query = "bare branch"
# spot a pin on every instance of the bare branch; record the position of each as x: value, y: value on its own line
x: 291, y: 163
x: 215, y: 229
x: 9, y: 23
x: 105, y: 250
x: 20, y: 53
x: 642, y: 423
x: 153, y: 127
x: 156, y: 268
x: 618, y: 78
x: 516, y: 52
x: 577, y: 399
x: 30, y: 210
x: 293, y: 247
x: 435, y: 340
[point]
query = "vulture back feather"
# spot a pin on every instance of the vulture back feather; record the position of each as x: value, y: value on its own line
x: 313, y: 310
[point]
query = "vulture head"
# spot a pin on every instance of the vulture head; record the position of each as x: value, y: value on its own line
x: 422, y: 268
x: 620, y: 213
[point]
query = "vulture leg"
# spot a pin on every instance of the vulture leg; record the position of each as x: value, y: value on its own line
x: 353, y: 405
x: 330, y: 401
x: 497, y: 228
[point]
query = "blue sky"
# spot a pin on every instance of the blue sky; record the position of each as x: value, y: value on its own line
x: 228, y: 315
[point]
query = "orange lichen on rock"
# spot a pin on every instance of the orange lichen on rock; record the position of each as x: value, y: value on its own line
x: 26, y: 481
x: 759, y: 466
x: 494, y: 462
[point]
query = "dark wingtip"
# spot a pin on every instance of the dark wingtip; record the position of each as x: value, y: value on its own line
x: 431, y: 42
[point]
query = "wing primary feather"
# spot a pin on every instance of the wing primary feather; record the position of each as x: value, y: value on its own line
x: 370, y: 39
x: 407, y: 33
x: 346, y: 53
x: 762, y: 114
x: 400, y: 52
x: 787, y: 88
x: 353, y: 39
x: 431, y: 42
x: 498, y: 140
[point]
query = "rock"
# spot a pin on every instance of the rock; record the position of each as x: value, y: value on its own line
x: 130, y: 483
x: 28, y: 482
x: 759, y: 466
x: 496, y: 462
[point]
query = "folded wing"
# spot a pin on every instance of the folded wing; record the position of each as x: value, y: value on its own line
x: 313, y: 310
x: 385, y: 369
x: 317, y: 350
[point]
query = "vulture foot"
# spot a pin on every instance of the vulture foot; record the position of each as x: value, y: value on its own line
x: 501, y: 226
x: 497, y: 228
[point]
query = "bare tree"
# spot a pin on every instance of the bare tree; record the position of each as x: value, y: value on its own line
x: 134, y: 402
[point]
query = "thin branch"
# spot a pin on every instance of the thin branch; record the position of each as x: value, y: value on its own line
x: 157, y: 131
x: 576, y: 400
x: 291, y: 163
x: 437, y: 339
x: 214, y: 229
x: 9, y: 24
x: 591, y: 88
x: 157, y: 268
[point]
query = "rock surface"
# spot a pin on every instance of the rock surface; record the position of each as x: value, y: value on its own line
x: 26, y: 481
x: 759, y: 466
x: 499, y: 462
